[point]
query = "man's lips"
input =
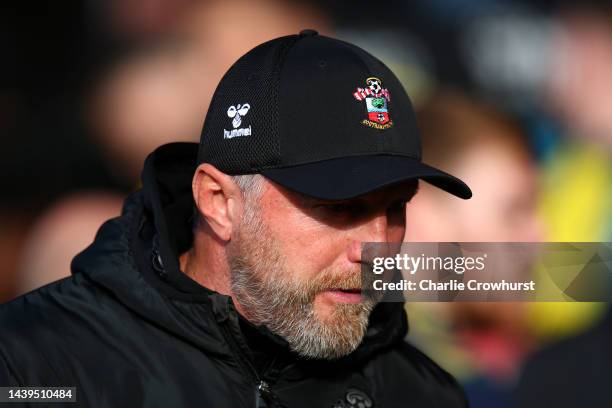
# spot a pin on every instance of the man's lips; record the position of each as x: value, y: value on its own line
x: 344, y: 295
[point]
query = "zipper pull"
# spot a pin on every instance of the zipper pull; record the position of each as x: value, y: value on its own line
x: 262, y: 393
x: 156, y: 260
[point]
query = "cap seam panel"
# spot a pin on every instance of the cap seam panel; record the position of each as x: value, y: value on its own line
x: 279, y: 68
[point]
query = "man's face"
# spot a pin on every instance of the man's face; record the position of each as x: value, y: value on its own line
x: 296, y: 264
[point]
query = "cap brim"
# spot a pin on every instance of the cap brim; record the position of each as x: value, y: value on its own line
x: 349, y: 177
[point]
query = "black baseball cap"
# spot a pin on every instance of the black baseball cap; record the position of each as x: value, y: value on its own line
x: 319, y: 116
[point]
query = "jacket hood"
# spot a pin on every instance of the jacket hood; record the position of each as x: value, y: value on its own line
x: 135, y: 257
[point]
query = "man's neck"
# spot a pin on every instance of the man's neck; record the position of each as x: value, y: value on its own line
x: 206, y: 266
x: 202, y: 270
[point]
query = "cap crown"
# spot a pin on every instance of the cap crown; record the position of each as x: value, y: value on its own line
x: 302, y: 99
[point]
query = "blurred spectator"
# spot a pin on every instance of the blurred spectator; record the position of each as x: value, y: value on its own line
x: 578, y: 203
x: 577, y: 170
x: 63, y: 231
x: 580, y: 85
x: 45, y: 150
x: 489, y: 151
x: 580, y: 89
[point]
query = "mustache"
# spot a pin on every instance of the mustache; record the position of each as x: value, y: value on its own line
x: 333, y: 280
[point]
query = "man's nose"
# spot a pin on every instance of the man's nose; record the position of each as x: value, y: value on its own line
x: 374, y: 230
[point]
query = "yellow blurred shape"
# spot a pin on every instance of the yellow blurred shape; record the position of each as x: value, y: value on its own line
x: 576, y: 205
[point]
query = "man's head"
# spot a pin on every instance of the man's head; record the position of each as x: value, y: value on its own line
x: 324, y: 160
x: 293, y: 262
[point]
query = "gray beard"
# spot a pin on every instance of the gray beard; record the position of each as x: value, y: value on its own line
x: 272, y: 295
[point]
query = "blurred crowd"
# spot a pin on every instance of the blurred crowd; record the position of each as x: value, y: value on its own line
x: 514, y: 97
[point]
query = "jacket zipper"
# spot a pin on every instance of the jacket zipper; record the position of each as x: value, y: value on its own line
x: 262, y: 389
x: 263, y: 393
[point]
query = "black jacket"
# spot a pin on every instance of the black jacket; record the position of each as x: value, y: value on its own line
x: 129, y: 329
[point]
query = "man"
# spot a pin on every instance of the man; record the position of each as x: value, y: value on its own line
x: 309, y: 148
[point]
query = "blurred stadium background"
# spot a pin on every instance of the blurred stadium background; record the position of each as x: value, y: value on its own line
x: 513, y: 96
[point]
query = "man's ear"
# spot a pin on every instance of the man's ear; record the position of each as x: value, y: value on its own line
x: 218, y: 199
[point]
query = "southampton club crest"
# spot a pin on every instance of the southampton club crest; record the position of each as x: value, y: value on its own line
x: 376, y: 98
